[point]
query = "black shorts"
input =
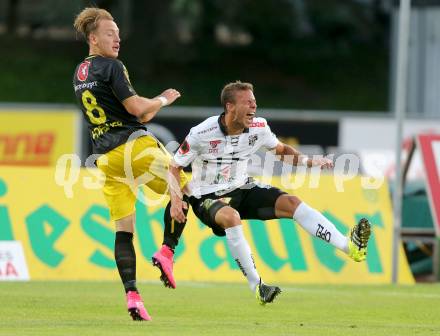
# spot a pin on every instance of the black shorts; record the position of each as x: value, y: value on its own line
x: 257, y: 202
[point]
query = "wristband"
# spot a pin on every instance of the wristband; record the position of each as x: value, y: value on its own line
x: 163, y: 100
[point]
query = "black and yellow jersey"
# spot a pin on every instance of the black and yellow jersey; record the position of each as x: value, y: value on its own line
x: 101, y: 84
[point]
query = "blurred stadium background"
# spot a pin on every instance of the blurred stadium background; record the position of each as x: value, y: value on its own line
x: 324, y: 75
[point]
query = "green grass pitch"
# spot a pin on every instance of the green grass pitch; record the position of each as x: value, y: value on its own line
x: 98, y: 308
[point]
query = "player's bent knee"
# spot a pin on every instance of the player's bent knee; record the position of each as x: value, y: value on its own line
x: 228, y: 217
x: 286, y: 205
x: 293, y: 201
x: 234, y: 218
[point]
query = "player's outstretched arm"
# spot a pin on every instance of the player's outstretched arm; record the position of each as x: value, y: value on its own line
x: 145, y: 109
x: 294, y: 157
x: 288, y: 154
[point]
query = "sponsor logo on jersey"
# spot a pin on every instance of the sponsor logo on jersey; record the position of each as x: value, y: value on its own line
x: 184, y: 147
x: 207, y: 130
x: 214, y: 143
x: 89, y: 85
x: 252, y: 139
x: 104, y: 128
x: 258, y: 124
x: 83, y: 71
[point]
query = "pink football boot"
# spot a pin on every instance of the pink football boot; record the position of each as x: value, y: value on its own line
x: 136, y: 307
x: 163, y: 259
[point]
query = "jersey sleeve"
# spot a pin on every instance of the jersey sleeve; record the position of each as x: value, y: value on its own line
x: 188, y: 150
x: 120, y: 81
x: 270, y: 139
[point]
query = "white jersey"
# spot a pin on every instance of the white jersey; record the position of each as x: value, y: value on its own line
x: 220, y: 161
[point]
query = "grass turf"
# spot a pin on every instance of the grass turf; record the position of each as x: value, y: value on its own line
x: 98, y: 308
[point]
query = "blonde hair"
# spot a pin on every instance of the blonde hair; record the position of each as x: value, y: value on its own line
x: 87, y: 21
x: 228, y: 92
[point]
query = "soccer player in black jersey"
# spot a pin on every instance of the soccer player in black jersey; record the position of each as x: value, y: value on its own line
x: 116, y: 116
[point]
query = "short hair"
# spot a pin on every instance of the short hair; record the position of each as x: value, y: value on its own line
x: 228, y: 92
x: 87, y: 21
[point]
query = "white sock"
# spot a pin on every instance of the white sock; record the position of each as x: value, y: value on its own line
x: 241, y: 252
x: 319, y: 226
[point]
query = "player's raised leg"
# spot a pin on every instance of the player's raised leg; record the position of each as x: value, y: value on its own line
x: 164, y: 257
x: 355, y: 246
x: 359, y: 236
x: 162, y: 184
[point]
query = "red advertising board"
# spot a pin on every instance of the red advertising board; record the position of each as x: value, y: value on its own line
x: 429, y: 145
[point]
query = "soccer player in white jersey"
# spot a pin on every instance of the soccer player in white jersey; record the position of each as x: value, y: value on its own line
x: 222, y: 193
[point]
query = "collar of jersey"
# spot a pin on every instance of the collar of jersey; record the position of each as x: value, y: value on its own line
x: 223, y: 127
